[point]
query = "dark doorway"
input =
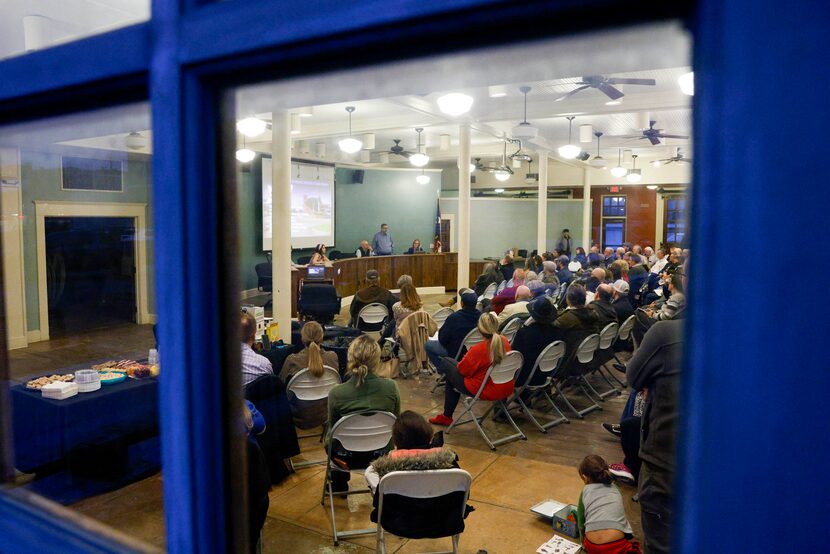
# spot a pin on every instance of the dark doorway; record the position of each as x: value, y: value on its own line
x: 90, y: 273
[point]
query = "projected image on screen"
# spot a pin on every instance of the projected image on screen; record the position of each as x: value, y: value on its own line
x: 312, y: 205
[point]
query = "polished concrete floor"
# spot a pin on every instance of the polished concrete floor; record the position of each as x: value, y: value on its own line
x: 506, y: 483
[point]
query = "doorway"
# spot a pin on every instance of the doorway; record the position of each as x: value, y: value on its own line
x: 90, y: 273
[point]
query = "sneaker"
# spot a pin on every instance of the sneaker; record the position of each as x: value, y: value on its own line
x: 621, y: 472
x: 441, y: 419
x: 613, y: 428
x: 619, y: 367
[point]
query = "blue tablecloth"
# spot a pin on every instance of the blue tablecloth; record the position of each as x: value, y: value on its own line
x: 47, y: 431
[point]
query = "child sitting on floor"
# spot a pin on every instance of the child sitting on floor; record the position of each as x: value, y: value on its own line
x: 603, y: 526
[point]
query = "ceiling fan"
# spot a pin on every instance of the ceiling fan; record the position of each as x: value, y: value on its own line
x: 606, y: 85
x: 678, y: 157
x: 399, y: 150
x: 653, y: 135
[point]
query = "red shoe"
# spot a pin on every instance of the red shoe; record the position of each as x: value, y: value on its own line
x: 441, y: 419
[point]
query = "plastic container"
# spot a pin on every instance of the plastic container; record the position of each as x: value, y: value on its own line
x: 87, y: 380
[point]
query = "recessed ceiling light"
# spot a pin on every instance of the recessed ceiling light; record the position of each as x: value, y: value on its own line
x: 455, y: 103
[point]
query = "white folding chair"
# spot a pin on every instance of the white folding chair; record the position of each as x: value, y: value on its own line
x: 490, y: 291
x: 604, y: 353
x: 547, y: 362
x: 624, y: 333
x: 509, y: 284
x: 308, y: 388
x: 423, y: 485
x: 573, y: 372
x: 440, y: 316
x: 501, y: 287
x: 372, y: 317
x: 503, y: 372
x: 361, y: 432
x: 471, y: 339
x: 511, y: 328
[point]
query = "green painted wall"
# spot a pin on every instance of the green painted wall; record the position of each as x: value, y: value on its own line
x: 249, y: 200
x: 41, y: 180
x: 385, y: 196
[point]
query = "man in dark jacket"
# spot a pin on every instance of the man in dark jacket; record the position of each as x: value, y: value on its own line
x: 564, y: 274
x: 531, y: 339
x: 373, y: 293
x: 602, y: 306
x: 622, y: 304
x: 577, y: 321
x: 454, y: 329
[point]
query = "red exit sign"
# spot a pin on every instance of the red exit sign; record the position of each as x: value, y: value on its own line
x: 615, y: 188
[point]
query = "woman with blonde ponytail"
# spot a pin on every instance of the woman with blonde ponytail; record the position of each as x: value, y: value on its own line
x: 466, y: 376
x: 312, y: 356
x: 363, y: 392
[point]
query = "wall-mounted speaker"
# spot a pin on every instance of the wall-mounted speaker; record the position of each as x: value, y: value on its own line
x: 357, y: 176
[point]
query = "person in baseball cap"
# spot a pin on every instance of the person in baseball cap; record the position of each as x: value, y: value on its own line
x: 454, y: 329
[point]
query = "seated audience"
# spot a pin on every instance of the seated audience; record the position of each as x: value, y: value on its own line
x: 537, y: 264
x: 372, y: 293
x: 538, y: 288
x: 637, y: 249
x: 253, y: 365
x: 637, y: 279
x: 403, y: 280
x: 602, y: 306
x: 259, y: 480
x: 577, y: 321
x: 505, y: 265
x: 595, y: 259
x: 581, y: 257
x: 410, y: 302
x: 415, y: 248
x: 454, y: 329
x: 363, y: 392
x: 534, y: 337
x: 519, y: 306
x: 311, y: 356
x: 609, y: 256
x: 467, y: 376
x: 603, y: 527
x: 662, y: 309
x: 622, y: 303
x: 508, y: 294
x: 619, y: 270
x: 658, y: 266
x: 319, y: 255
x: 488, y: 276
x: 364, y: 250
x: 620, y: 253
x: 648, y: 252
x: 549, y: 273
x: 564, y: 274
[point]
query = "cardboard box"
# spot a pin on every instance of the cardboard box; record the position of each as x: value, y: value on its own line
x: 259, y: 314
x: 561, y: 523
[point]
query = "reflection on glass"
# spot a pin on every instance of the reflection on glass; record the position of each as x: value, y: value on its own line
x: 28, y: 25
x: 80, y: 305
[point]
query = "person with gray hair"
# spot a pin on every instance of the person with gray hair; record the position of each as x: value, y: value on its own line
x: 523, y: 296
x: 648, y: 251
x: 549, y: 273
x: 602, y: 305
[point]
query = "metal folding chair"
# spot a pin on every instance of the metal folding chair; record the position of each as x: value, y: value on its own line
x: 624, y: 333
x: 432, y: 484
x: 473, y: 338
x: 604, y: 353
x: 573, y: 372
x: 307, y: 388
x: 501, y: 287
x: 511, y: 328
x: 490, y: 291
x: 361, y: 432
x: 440, y: 316
x: 503, y: 372
x: 372, y: 317
x: 547, y: 362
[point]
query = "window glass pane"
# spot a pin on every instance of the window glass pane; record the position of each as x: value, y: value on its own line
x: 78, y: 269
x: 26, y: 25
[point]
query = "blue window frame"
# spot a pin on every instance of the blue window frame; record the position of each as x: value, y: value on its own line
x: 188, y: 51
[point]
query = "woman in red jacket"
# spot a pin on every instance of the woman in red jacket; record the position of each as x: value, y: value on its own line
x: 466, y: 376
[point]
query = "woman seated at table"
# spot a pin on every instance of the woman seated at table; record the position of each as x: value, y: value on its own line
x: 364, y: 391
x: 319, y: 255
x: 466, y: 376
x: 415, y: 248
x: 410, y: 302
x: 311, y: 356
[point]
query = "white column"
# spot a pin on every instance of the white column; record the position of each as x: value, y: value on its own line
x: 586, y: 209
x: 463, y: 206
x: 542, y: 211
x: 281, y: 220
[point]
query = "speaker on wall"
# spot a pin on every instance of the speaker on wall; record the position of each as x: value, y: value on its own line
x: 357, y: 176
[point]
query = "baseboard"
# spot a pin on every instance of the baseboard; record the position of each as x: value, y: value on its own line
x: 19, y: 342
x: 33, y: 336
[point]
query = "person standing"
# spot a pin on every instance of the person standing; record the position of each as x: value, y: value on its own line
x: 564, y: 244
x: 382, y: 242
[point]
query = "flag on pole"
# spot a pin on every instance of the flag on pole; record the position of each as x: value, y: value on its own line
x: 437, y: 240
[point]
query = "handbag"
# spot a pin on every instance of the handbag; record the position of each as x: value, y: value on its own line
x: 388, y: 368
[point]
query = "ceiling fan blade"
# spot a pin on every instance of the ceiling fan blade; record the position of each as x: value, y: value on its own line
x: 611, y: 92
x: 626, y: 81
x: 661, y: 135
x: 574, y: 91
x: 684, y: 160
x: 653, y: 139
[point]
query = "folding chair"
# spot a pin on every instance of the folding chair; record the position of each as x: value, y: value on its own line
x: 625, y: 333
x: 422, y: 504
x: 440, y: 316
x: 372, y: 318
x: 604, y: 353
x: 511, y: 327
x: 503, y: 372
x: 509, y: 284
x: 473, y: 338
x: 361, y: 432
x: 547, y: 362
x: 490, y: 291
x: 501, y: 287
x: 307, y: 388
x: 573, y: 372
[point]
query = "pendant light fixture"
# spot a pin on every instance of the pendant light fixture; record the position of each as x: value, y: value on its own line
x: 598, y: 161
x: 455, y: 103
x: 635, y: 175
x: 350, y: 145
x: 619, y: 171
x: 419, y: 159
x: 423, y: 178
x: 524, y: 130
x: 503, y: 172
x: 569, y: 151
x: 245, y: 154
x: 251, y: 126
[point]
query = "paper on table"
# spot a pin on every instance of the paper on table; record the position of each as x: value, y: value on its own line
x: 558, y: 545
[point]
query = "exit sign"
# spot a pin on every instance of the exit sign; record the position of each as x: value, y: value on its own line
x: 615, y: 188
